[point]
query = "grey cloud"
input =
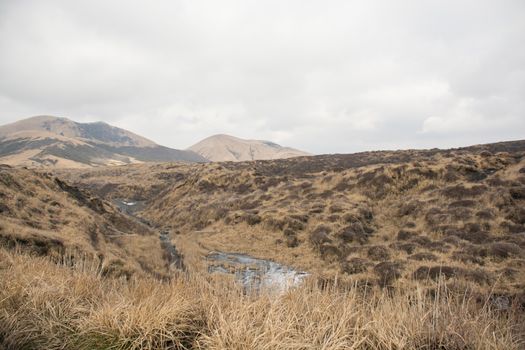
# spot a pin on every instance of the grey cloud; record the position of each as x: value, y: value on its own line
x: 325, y: 76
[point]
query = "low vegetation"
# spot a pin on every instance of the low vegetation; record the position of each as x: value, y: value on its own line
x: 395, y: 213
x: 405, y: 250
x: 45, y: 305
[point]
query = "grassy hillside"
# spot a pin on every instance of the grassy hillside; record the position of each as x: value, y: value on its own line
x: 380, y: 218
x: 44, y: 216
x: 44, y: 305
x: 406, y: 250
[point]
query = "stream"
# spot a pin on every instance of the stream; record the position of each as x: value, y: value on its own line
x: 255, y: 274
x: 173, y: 257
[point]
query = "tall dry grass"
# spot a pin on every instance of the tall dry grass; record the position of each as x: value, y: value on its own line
x: 49, y: 306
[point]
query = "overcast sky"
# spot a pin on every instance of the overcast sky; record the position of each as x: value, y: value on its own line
x: 324, y: 76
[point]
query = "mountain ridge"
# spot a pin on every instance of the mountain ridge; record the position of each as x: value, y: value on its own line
x: 47, y: 141
x: 223, y: 147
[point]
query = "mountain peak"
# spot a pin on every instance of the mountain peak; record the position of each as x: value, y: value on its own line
x: 61, y: 142
x: 223, y: 147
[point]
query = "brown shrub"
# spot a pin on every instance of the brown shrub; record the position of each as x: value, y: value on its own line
x: 320, y: 235
x: 422, y: 241
x: 351, y: 218
x: 335, y: 208
x: 478, y: 237
x: 485, y: 214
x: 517, y: 215
x: 471, y: 227
x: 330, y: 252
x: 317, y: 209
x: 478, y: 276
x: 33, y: 244
x: 462, y: 203
x: 333, y: 218
x: 289, y: 232
x: 466, y: 257
x: 435, y: 216
x: 250, y: 204
x: 516, y: 238
x: 408, y: 248
x: 423, y: 256
x: 517, y: 192
x: 300, y: 217
x: 388, y: 272
x: 504, y: 250
x: 378, y: 253
x: 453, y: 240
x: 252, y: 219
x: 273, y: 224
x: 292, y: 241
x: 410, y: 224
x: 354, y: 266
x: 434, y: 272
x: 460, y: 191
x: 206, y: 186
x: 294, y: 224
x: 404, y: 235
x: 409, y: 208
x: 354, y: 233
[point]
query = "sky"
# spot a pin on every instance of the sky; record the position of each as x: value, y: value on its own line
x: 324, y: 76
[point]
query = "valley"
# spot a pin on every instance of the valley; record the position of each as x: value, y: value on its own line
x: 363, y: 234
x: 378, y: 218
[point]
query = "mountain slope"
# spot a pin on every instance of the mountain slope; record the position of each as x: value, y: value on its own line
x: 44, y: 216
x: 63, y: 143
x: 220, y: 148
x: 373, y: 217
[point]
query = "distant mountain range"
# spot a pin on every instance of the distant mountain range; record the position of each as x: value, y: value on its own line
x: 47, y: 141
x: 219, y: 148
x: 59, y: 142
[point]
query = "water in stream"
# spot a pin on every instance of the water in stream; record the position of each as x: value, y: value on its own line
x: 255, y: 274
x: 129, y: 207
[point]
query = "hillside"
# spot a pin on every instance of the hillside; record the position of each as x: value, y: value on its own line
x: 375, y: 217
x: 53, y: 142
x: 42, y: 215
x: 221, y: 148
x: 416, y: 249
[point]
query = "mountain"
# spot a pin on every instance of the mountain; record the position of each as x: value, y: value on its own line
x: 220, y: 148
x: 63, y: 143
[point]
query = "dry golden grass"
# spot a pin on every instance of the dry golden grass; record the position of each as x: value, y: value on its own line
x: 49, y: 306
x: 40, y: 217
x: 407, y: 250
x: 460, y: 208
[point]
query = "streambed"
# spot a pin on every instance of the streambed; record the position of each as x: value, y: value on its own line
x: 255, y: 274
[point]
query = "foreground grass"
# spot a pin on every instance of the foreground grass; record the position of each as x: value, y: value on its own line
x: 48, y: 306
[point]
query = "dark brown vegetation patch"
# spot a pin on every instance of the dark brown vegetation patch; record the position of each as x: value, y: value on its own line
x: 504, y: 250
x: 435, y: 272
x: 320, y: 235
x: 388, y: 271
x: 378, y: 253
x: 460, y: 191
x: 423, y: 256
x: 517, y: 192
x: 354, y: 266
x: 354, y: 233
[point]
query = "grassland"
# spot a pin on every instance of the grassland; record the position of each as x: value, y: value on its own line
x: 48, y: 306
x: 406, y: 250
x: 375, y: 218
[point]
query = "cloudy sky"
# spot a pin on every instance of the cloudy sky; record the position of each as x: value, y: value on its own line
x: 324, y: 76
